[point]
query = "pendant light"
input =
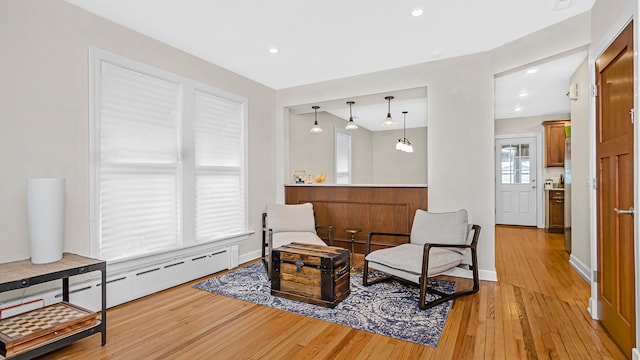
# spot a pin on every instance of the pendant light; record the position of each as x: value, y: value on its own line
x: 404, y: 144
x: 316, y: 129
x: 351, y: 125
x: 389, y: 120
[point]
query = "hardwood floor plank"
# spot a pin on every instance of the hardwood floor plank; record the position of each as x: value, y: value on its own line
x: 537, y: 310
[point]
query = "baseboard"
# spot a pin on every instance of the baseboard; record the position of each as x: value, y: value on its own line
x: 591, y: 309
x: 635, y: 354
x: 487, y: 275
x: 581, y: 268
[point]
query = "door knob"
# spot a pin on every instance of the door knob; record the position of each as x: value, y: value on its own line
x: 631, y: 211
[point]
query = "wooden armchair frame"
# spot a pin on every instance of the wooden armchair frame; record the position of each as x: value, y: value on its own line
x: 423, y: 304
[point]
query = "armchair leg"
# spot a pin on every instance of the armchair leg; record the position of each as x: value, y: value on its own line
x: 446, y: 297
x: 365, y: 276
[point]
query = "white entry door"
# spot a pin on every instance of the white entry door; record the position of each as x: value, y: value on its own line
x: 516, y: 181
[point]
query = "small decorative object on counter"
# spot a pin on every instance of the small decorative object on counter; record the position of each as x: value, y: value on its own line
x: 561, y: 181
x: 310, y: 179
x: 548, y: 184
x: 321, y: 178
x: 299, y: 176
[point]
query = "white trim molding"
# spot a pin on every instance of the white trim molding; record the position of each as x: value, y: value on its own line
x: 581, y: 268
x: 486, y: 275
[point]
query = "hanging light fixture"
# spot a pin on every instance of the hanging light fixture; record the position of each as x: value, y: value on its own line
x: 351, y: 125
x: 404, y: 144
x: 316, y: 129
x: 389, y: 120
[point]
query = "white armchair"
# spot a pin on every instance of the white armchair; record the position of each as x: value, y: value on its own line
x: 284, y: 224
x: 438, y: 242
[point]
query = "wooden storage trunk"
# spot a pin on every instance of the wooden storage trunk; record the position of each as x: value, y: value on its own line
x: 311, y: 273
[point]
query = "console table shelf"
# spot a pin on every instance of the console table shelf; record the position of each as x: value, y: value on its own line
x: 22, y: 274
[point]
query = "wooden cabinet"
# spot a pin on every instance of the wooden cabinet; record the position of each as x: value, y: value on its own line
x: 384, y: 208
x: 556, y: 211
x: 554, y: 136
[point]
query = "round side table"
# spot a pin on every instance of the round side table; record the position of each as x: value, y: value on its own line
x: 353, y: 233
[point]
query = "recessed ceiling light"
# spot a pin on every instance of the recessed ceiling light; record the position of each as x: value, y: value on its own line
x: 417, y: 12
x: 274, y: 50
x: 523, y: 94
x: 436, y: 53
x: 517, y: 109
x: 532, y: 71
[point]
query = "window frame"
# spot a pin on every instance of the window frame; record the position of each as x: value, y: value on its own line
x: 341, y: 132
x: 186, y: 163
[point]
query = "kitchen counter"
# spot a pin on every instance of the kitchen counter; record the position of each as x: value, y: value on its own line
x: 362, y: 185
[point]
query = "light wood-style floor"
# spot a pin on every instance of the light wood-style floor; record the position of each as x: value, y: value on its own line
x: 537, y: 310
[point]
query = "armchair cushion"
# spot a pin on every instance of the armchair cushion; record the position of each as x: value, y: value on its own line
x: 407, y: 258
x: 284, y: 238
x: 440, y: 228
x: 297, y: 218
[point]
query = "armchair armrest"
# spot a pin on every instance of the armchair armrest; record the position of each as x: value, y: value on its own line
x: 329, y: 228
x: 473, y: 246
x: 372, y: 234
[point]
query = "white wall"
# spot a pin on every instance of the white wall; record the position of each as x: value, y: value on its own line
x: 314, y: 153
x: 44, y: 112
x: 391, y: 166
x: 570, y: 35
x: 608, y: 15
x: 461, y: 117
x: 374, y: 158
x: 580, y: 184
x: 460, y: 136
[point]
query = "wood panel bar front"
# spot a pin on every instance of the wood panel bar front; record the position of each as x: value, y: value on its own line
x: 370, y: 208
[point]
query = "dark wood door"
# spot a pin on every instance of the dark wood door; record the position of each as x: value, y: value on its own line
x: 614, y: 152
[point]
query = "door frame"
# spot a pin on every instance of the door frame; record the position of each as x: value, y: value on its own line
x: 540, y: 223
x: 595, y: 53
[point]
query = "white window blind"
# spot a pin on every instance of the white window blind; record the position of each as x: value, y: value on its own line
x: 169, y: 160
x: 139, y: 167
x: 342, y: 156
x: 219, y: 157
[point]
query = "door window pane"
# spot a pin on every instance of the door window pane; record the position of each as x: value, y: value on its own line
x: 514, y: 162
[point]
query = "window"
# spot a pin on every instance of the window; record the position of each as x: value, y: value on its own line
x: 342, y: 156
x: 168, y: 164
x: 514, y: 161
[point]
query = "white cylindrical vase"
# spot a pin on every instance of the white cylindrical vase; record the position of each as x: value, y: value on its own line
x: 45, y: 212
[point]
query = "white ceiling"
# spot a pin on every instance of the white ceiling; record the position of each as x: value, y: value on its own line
x: 330, y: 39
x: 523, y: 94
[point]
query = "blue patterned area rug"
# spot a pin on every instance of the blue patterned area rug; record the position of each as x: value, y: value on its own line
x: 388, y: 308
